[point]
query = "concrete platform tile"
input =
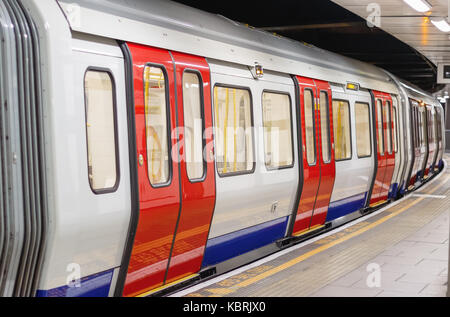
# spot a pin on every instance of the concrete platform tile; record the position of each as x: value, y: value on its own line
x: 349, y: 279
x: 397, y: 294
x: 432, y: 266
x: 422, y: 277
x: 340, y: 291
x: 398, y: 259
x: 435, y: 290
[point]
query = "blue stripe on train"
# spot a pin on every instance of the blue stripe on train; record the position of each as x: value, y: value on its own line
x: 346, y: 206
x: 393, y: 191
x: 402, y: 188
x: 239, y: 242
x: 96, y: 285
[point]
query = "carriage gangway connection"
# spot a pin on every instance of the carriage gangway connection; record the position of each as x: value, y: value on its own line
x: 399, y: 250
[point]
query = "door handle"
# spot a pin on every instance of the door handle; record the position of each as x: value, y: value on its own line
x: 274, y: 207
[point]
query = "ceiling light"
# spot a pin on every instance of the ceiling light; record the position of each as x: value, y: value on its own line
x: 441, y: 25
x: 419, y: 5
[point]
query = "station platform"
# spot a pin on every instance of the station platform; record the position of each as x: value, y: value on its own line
x: 400, y: 250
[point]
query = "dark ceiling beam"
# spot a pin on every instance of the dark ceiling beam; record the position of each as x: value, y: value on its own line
x: 316, y: 26
x: 412, y: 70
x: 395, y: 62
x: 419, y: 76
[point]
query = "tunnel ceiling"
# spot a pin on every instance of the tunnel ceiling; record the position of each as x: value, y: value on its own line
x: 331, y: 27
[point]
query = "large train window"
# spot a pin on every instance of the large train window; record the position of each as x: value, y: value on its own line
x: 233, y: 126
x: 394, y: 121
x: 193, y: 124
x: 380, y: 127
x: 325, y: 126
x: 341, y: 129
x: 387, y: 120
x: 103, y: 169
x: 362, y: 120
x: 157, y: 125
x: 308, y: 106
x: 277, y: 130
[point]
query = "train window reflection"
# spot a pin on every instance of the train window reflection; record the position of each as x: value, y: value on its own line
x: 394, y: 121
x: 309, y: 127
x: 156, y: 125
x: 341, y: 129
x: 193, y: 125
x: 101, y: 131
x: 277, y: 130
x: 325, y: 126
x: 233, y: 126
x: 362, y: 121
x: 380, y: 131
x: 387, y: 121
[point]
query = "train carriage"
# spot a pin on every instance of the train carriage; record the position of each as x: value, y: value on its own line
x: 165, y: 145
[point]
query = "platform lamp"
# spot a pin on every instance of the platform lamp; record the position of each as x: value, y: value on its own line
x: 443, y: 23
x: 419, y: 5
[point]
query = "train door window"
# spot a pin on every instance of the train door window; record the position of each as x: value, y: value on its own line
x: 101, y: 131
x: 341, y: 129
x: 421, y: 128
x: 387, y: 120
x: 380, y: 127
x: 415, y: 127
x: 325, y: 126
x: 277, y: 130
x: 309, y: 126
x: 362, y: 120
x: 424, y: 128
x: 418, y: 127
x: 430, y: 126
x: 193, y: 125
x: 438, y: 127
x: 234, y: 136
x: 156, y: 125
x: 394, y: 121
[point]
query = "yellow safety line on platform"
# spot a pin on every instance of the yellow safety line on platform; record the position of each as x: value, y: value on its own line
x: 331, y: 244
x: 166, y: 286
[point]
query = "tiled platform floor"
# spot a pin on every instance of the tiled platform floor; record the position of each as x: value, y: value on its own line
x: 415, y: 266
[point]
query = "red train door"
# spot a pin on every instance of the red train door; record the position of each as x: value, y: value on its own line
x: 168, y: 217
x: 196, y: 166
x: 389, y: 141
x: 431, y: 140
x: 311, y: 212
x: 385, y: 154
x: 327, y: 163
x: 416, y: 141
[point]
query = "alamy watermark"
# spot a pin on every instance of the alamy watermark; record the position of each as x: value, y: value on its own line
x: 374, y: 277
x: 374, y: 17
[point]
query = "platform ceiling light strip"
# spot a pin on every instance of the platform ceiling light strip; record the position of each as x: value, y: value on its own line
x: 419, y: 5
x: 442, y: 25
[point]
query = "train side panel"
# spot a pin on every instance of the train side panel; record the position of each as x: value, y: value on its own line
x: 354, y: 165
x: 255, y: 196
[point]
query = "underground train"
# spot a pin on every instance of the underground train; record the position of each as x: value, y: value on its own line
x: 146, y: 145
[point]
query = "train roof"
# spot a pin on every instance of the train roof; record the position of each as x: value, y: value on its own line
x: 177, y: 27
